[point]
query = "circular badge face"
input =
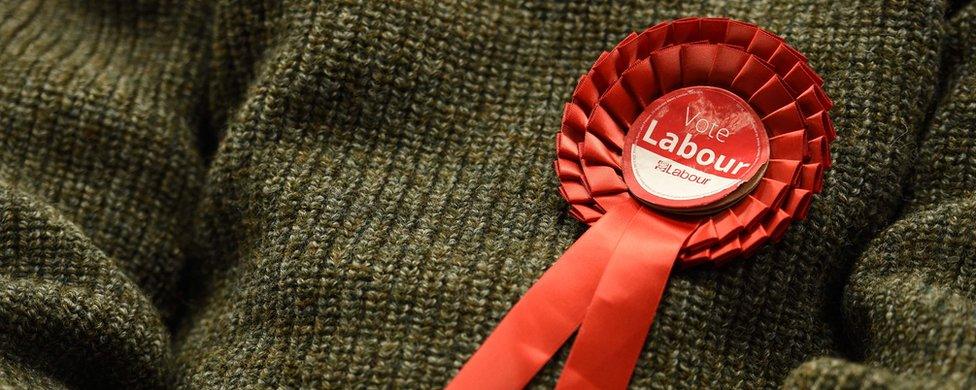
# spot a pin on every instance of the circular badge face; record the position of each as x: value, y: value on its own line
x: 695, y: 150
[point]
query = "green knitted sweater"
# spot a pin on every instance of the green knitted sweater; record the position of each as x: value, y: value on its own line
x: 351, y: 194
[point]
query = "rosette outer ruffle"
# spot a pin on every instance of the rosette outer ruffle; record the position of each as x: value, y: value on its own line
x: 756, y: 65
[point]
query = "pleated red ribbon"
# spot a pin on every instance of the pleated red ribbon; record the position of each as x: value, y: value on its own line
x: 608, y: 284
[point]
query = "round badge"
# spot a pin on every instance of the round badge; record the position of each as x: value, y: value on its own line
x: 695, y: 150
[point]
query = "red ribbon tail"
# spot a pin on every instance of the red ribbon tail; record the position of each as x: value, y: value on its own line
x: 619, y: 316
x: 549, y: 312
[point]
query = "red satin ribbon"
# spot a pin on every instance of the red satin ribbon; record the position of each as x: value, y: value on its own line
x: 609, y: 283
x: 610, y: 280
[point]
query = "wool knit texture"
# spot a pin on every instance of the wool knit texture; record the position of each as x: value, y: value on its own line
x: 351, y: 194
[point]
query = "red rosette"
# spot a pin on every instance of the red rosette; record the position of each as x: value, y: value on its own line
x: 759, y: 67
x: 607, y: 285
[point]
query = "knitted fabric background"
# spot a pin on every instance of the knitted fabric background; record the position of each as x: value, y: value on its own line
x: 352, y: 194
